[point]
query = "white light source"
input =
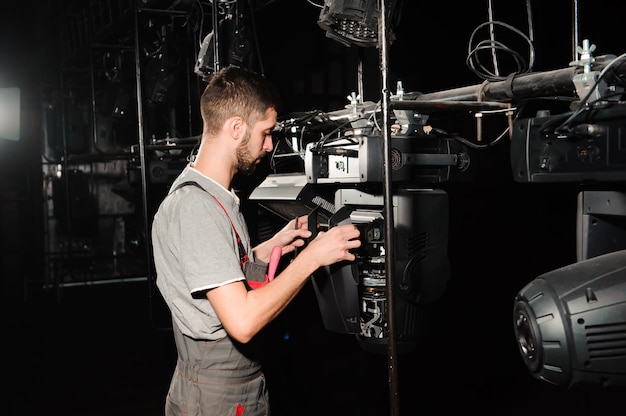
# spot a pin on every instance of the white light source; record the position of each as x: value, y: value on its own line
x: 10, y: 113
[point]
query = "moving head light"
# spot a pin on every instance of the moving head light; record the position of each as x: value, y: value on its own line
x: 353, y: 298
x: 570, y: 323
x: 358, y: 158
x: 586, y: 148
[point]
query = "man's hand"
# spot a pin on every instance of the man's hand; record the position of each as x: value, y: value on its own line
x: 334, y: 245
x: 290, y: 237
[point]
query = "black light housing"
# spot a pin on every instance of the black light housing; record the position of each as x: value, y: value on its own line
x: 355, y: 22
x: 570, y: 323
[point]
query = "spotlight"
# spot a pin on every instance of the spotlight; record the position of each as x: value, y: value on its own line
x: 570, y: 323
x: 353, y: 21
x: 10, y: 113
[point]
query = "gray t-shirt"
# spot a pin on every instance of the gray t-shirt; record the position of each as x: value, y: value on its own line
x: 195, y: 250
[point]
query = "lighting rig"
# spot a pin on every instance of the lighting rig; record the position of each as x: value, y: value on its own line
x: 380, y: 166
x: 341, y: 182
x: 570, y: 323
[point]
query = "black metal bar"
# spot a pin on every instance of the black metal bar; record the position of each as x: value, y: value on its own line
x: 442, y: 105
x: 216, y: 37
x: 531, y: 85
x: 392, y: 348
x: 519, y: 87
x: 142, y: 159
x: 167, y: 12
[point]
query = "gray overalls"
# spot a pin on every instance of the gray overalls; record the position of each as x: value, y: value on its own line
x: 203, y: 364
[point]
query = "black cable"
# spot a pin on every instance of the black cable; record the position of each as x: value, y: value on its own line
x: 479, y: 69
x: 468, y: 143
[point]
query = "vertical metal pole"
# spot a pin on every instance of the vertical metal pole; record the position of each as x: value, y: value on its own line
x: 359, y: 75
x: 389, y: 219
x: 575, y: 30
x: 492, y: 38
x: 216, y: 36
x: 142, y: 158
x: 140, y: 132
x: 66, y: 181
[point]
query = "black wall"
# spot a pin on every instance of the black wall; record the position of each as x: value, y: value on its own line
x: 502, y: 233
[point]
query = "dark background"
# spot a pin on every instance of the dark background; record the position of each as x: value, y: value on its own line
x: 83, y: 340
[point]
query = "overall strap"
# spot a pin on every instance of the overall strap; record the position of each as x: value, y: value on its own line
x: 243, y: 256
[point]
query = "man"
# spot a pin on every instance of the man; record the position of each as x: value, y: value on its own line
x: 206, y: 267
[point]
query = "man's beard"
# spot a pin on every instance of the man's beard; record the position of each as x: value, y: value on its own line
x: 246, y: 163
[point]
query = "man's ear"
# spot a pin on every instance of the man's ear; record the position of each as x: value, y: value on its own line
x: 236, y: 127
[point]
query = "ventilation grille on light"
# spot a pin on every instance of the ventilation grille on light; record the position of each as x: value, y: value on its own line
x: 606, y: 341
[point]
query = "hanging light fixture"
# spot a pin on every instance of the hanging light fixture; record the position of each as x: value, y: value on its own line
x: 570, y: 323
x: 354, y: 22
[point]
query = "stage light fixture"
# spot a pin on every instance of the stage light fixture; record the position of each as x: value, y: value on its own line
x: 570, y: 323
x: 354, y: 22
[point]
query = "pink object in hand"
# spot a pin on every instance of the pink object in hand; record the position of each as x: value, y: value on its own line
x: 274, y: 259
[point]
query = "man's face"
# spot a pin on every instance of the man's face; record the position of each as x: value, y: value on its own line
x: 256, y: 143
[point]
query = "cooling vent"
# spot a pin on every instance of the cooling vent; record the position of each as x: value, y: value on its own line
x: 606, y: 341
x: 396, y: 159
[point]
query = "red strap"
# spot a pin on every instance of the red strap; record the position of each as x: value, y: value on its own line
x: 255, y: 285
x: 243, y: 255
